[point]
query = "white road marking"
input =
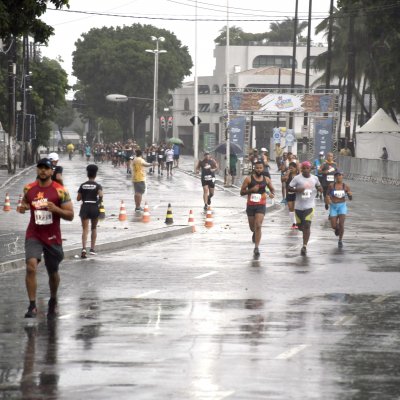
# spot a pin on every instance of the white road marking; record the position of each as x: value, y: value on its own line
x: 345, y: 320
x: 380, y: 299
x: 291, y: 352
x: 146, y: 294
x: 205, y: 275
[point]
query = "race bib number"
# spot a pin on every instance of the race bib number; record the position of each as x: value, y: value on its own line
x: 330, y: 178
x: 306, y: 194
x: 255, y: 197
x: 160, y: 156
x: 208, y: 177
x: 339, y: 194
x: 43, y: 217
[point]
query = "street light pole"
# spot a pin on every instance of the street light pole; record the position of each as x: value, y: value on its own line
x: 156, y: 52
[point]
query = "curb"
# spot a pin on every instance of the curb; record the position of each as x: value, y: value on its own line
x: 155, y: 235
x: 11, y: 178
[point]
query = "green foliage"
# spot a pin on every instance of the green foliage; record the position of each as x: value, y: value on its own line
x: 114, y: 60
x: 20, y: 17
x: 111, y: 130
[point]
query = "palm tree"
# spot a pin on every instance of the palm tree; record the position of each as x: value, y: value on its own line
x: 283, y: 31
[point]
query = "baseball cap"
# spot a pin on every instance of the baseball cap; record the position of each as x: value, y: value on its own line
x: 53, y: 157
x: 263, y: 149
x: 306, y: 164
x: 44, y: 162
x: 321, y: 153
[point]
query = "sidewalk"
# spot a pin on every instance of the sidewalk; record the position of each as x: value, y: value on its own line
x: 113, y: 234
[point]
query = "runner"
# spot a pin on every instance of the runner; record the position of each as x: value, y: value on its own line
x: 48, y: 202
x: 290, y: 194
x: 169, y: 159
x: 305, y: 186
x: 70, y: 149
x: 160, y: 158
x: 91, y: 194
x: 208, y: 166
x: 88, y: 152
x: 254, y: 186
x: 177, y: 152
x: 336, y: 198
x: 327, y: 169
x: 57, y: 169
x: 264, y: 157
x: 139, y: 178
x: 316, y: 169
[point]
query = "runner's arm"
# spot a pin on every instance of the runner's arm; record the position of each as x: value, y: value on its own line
x: 244, y: 189
x: 65, y: 211
x: 349, y: 192
x: 271, y: 188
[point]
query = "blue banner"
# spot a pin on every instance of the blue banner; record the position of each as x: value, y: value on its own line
x: 323, y: 129
x: 237, y: 128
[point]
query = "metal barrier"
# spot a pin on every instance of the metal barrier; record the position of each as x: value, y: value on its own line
x: 375, y: 171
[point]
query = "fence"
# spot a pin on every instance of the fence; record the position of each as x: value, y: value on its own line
x: 376, y: 171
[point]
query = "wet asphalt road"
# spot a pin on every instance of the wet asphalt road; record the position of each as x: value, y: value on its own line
x: 196, y: 317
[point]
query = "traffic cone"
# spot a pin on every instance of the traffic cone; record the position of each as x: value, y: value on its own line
x: 102, y: 211
x: 169, y: 220
x: 19, y: 205
x: 146, y: 213
x: 122, y: 212
x: 191, y: 221
x: 7, y: 205
x: 209, y: 219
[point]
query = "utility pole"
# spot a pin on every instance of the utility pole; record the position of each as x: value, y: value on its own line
x: 307, y: 85
x: 329, y: 54
x: 292, y: 82
x: 12, y: 70
x: 350, y: 75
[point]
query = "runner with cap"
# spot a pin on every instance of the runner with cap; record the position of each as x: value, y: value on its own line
x: 48, y: 202
x: 255, y: 187
x: 336, y: 199
x: 264, y: 158
x: 305, y: 186
x: 91, y: 195
x: 207, y: 166
x: 57, y: 169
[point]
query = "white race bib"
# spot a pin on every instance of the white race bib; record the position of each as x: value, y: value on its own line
x: 330, y: 178
x: 160, y: 156
x: 339, y: 194
x: 43, y: 217
x: 208, y: 177
x: 306, y: 194
x: 255, y: 197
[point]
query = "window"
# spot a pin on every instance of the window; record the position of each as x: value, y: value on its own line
x: 215, y: 89
x: 231, y: 85
x: 273, y: 61
x: 204, y: 107
x: 204, y: 89
x: 216, y: 107
x: 312, y: 60
x: 186, y: 105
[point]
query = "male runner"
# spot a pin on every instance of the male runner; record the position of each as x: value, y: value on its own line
x: 317, y: 163
x: 327, y: 169
x: 139, y: 178
x: 48, y: 202
x: 290, y: 195
x: 208, y: 166
x: 255, y: 186
x: 305, y: 186
x: 57, y: 169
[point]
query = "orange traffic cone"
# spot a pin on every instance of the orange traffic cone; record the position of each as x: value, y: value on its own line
x: 169, y: 219
x: 19, y: 205
x: 7, y: 205
x: 191, y: 221
x: 122, y: 212
x: 209, y: 219
x: 146, y: 213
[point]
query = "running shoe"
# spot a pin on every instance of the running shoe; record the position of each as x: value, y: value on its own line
x: 336, y: 231
x: 340, y: 244
x: 205, y: 207
x: 256, y: 252
x: 138, y: 210
x: 92, y: 252
x: 52, y: 311
x: 303, y: 251
x: 294, y: 226
x: 83, y: 254
x: 31, y: 313
x: 209, y: 200
x: 253, y: 237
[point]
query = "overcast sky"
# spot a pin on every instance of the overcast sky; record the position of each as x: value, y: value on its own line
x: 176, y: 16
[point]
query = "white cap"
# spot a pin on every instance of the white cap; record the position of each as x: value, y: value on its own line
x: 321, y: 153
x: 53, y: 157
x: 263, y: 149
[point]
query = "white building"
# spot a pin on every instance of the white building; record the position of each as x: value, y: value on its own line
x: 256, y: 65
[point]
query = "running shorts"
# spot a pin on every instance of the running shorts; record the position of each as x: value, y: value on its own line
x: 251, y: 210
x: 53, y: 254
x: 209, y: 183
x: 304, y: 217
x: 139, y: 187
x: 89, y: 211
x: 291, y: 197
x: 336, y: 209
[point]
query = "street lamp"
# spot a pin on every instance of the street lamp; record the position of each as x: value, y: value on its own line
x: 156, y: 52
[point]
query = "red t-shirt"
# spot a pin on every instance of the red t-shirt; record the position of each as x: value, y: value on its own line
x: 45, y: 225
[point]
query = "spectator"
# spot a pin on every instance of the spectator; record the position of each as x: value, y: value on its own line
x: 385, y: 154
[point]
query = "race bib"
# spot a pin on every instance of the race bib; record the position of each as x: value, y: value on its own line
x: 330, y: 178
x: 43, y: 217
x: 208, y: 177
x: 339, y: 194
x: 306, y: 194
x: 160, y: 156
x: 255, y: 197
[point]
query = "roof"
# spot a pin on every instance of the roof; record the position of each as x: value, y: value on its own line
x: 380, y: 122
x: 269, y: 71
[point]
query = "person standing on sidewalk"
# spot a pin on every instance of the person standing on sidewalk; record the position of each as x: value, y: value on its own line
x: 48, y: 202
x: 208, y: 166
x: 91, y: 194
x: 139, y: 178
x: 305, y: 186
x: 255, y: 187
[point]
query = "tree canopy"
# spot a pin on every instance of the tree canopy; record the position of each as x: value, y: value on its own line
x: 114, y: 60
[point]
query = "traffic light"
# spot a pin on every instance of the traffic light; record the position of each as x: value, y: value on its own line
x: 169, y: 122
x: 162, y: 120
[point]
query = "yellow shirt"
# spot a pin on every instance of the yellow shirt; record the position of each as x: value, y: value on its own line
x: 138, y: 171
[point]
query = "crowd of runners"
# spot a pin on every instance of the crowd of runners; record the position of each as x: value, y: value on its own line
x: 48, y: 201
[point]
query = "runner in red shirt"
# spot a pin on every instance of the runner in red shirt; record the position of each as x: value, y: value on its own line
x: 48, y: 202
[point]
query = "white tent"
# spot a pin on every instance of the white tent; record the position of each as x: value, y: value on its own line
x: 380, y: 131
